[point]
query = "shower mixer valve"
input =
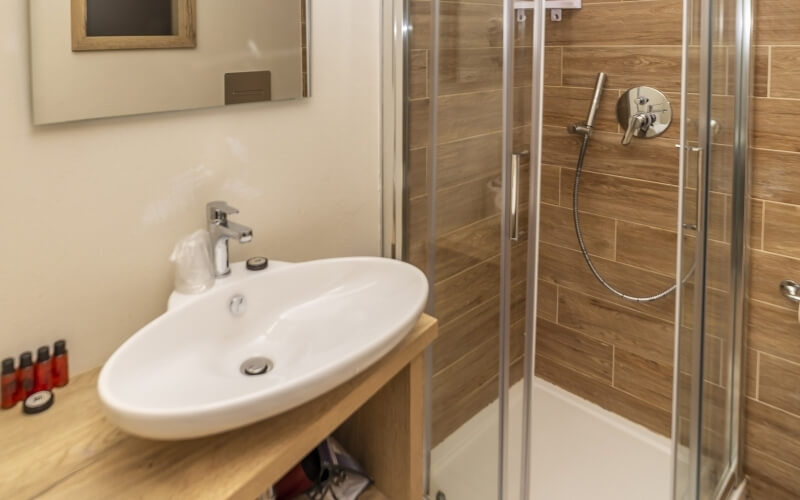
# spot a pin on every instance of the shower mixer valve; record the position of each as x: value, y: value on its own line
x: 643, y: 112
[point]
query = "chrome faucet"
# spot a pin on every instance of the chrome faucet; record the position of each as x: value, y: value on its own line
x: 221, y: 230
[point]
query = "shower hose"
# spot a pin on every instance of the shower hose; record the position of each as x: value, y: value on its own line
x: 577, y: 219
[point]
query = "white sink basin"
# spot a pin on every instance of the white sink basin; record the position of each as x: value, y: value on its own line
x: 318, y: 323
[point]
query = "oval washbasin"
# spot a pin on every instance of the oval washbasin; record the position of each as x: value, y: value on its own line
x: 317, y: 324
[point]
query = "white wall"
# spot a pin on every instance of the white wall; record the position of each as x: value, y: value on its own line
x: 233, y: 36
x: 91, y: 210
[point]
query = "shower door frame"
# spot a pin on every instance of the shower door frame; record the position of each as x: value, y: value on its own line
x: 396, y: 27
x: 739, y: 213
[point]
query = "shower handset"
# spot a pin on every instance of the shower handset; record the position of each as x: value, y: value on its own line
x: 587, y: 127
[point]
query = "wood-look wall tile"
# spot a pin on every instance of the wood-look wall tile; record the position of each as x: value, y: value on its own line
x: 547, y: 303
x: 752, y: 374
x: 574, y: 350
x: 469, y: 70
x: 625, y: 328
x: 420, y: 19
x: 604, y: 395
x: 567, y: 268
x: 557, y: 227
x: 782, y: 229
x: 460, y: 293
x: 775, y: 124
x: 647, y: 247
x: 418, y: 112
x: 565, y: 105
x: 609, y: 24
x: 778, y: 383
x: 773, y: 330
x: 467, y: 115
x: 760, y: 487
x: 652, y: 160
x: 776, y: 22
x: 416, y: 179
x: 467, y: 405
x: 626, y: 67
x: 775, y: 176
x: 467, y: 159
x: 470, y: 25
x: 760, y: 72
x: 770, y: 478
x: 756, y: 224
x: 771, y: 430
x: 473, y: 369
x: 418, y: 74
x: 785, y: 76
x: 465, y: 204
x: 552, y: 66
x: 767, y: 270
x: 646, y: 379
x: 551, y: 184
x: 466, y: 247
x: 622, y: 198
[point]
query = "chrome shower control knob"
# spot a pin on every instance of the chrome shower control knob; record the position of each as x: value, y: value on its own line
x: 238, y: 305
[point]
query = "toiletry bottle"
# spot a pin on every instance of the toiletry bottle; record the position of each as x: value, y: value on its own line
x: 60, y: 364
x: 43, y: 370
x: 8, y: 384
x: 25, y: 376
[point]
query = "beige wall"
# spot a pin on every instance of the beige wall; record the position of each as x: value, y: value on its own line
x: 243, y: 35
x: 92, y: 210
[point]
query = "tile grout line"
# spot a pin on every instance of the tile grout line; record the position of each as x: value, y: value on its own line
x: 763, y: 224
x: 769, y: 71
x: 758, y: 375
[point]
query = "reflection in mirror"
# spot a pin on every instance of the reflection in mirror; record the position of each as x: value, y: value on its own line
x: 234, y: 52
x: 133, y: 24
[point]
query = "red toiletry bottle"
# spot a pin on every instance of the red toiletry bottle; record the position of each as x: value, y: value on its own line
x: 43, y: 371
x: 25, y: 376
x: 60, y: 364
x: 8, y: 384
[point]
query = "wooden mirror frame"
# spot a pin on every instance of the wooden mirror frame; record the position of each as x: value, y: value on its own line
x: 185, y: 22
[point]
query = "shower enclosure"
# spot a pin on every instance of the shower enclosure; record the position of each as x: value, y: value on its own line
x: 604, y: 362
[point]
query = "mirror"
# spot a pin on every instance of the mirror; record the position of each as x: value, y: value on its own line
x: 103, y: 58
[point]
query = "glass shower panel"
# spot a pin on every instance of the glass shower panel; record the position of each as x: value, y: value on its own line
x: 712, y: 236
x: 456, y: 197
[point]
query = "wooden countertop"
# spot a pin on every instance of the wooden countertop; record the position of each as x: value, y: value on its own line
x: 72, y: 451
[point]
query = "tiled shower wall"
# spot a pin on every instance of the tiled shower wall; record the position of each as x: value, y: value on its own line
x: 773, y: 405
x: 606, y: 350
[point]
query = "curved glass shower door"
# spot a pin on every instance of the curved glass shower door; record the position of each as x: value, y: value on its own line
x: 708, y: 400
x: 467, y: 183
x: 550, y: 242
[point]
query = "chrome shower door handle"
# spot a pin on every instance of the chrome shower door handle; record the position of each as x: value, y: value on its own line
x: 698, y: 165
x: 516, y: 166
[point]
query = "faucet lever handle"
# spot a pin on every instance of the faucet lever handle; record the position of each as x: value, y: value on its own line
x: 219, y: 210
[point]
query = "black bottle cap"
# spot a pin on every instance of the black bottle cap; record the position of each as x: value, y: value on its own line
x: 38, y: 402
x: 257, y: 263
x: 60, y: 348
x: 8, y: 366
x: 42, y: 354
x: 26, y: 359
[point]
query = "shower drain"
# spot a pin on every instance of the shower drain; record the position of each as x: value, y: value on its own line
x: 256, y: 366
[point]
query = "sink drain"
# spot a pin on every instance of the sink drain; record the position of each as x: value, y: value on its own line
x: 256, y: 366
